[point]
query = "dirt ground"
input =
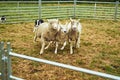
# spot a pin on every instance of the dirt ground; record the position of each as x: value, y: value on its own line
x: 99, y: 50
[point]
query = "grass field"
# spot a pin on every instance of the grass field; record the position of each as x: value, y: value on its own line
x: 99, y: 51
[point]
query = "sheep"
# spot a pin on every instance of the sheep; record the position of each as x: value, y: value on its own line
x: 37, y: 23
x: 60, y: 38
x: 74, y: 30
x: 3, y: 19
x: 47, y: 32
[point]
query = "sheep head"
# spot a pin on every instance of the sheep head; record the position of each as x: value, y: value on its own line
x: 54, y: 23
x: 74, y: 24
x: 63, y: 28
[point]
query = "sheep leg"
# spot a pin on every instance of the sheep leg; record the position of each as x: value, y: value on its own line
x: 42, y: 48
x: 35, y: 37
x: 71, y: 47
x: 48, y: 45
x: 34, y: 29
x: 78, y: 42
x: 64, y: 44
x: 56, y: 47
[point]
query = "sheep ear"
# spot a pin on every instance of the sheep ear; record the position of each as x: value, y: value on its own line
x: 71, y: 19
x: 66, y: 23
x: 48, y: 20
x: 60, y: 25
x: 78, y: 20
x: 57, y: 19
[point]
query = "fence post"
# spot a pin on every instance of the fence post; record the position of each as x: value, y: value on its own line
x: 74, y: 9
x: 18, y: 10
x: 1, y: 47
x: 18, y: 4
x: 39, y: 11
x: 116, y: 10
x: 95, y: 10
x: 9, y: 69
x: 58, y: 5
x: 2, y: 61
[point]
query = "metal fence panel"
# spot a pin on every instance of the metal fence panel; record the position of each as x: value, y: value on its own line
x: 66, y: 66
x: 9, y: 76
x: 23, y: 11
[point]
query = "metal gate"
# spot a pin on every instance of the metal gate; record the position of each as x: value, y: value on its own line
x: 6, y: 70
x: 28, y: 11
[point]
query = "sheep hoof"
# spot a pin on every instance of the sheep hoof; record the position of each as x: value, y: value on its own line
x: 55, y: 52
x: 62, y: 48
x: 71, y: 52
x: 46, y: 47
x: 78, y: 46
x: 34, y: 41
x: 41, y: 52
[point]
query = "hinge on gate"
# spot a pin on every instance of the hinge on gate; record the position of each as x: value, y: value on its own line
x: 4, y: 58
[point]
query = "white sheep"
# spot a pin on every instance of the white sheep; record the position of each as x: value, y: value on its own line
x: 47, y: 32
x: 61, y: 37
x: 74, y: 30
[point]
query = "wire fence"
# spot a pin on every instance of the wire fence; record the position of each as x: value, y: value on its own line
x: 6, y: 68
x: 25, y: 11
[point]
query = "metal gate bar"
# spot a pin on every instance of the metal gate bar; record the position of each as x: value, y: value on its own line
x: 8, y: 55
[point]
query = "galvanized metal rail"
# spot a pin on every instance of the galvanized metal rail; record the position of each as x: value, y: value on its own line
x: 43, y: 9
x: 5, y: 62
